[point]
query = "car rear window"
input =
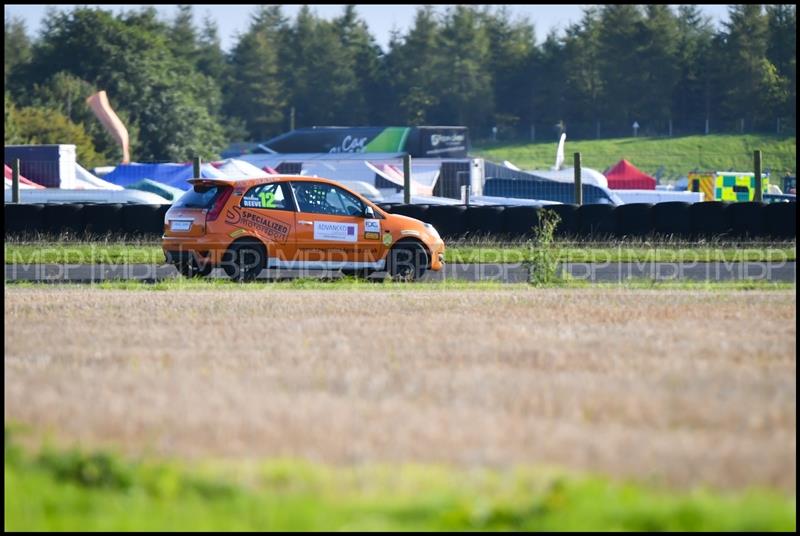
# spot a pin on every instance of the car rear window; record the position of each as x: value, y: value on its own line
x: 200, y: 196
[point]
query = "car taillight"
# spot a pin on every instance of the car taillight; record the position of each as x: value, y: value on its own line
x: 213, y: 214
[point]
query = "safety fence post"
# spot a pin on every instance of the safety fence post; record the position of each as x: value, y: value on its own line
x: 196, y: 167
x: 407, y: 178
x: 15, y: 182
x: 578, y: 185
x: 757, y: 164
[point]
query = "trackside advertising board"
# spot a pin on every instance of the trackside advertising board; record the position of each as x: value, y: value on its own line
x: 420, y: 142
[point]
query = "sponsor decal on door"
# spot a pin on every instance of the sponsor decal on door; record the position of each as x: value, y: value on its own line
x: 339, y: 232
x: 372, y: 229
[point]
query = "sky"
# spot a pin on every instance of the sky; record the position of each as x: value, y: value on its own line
x: 234, y: 19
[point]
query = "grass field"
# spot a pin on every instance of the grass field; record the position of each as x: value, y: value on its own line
x: 311, y: 405
x: 78, y: 252
x: 666, y: 387
x: 76, y: 490
x: 677, y: 156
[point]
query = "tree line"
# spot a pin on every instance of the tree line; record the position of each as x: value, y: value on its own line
x: 181, y: 95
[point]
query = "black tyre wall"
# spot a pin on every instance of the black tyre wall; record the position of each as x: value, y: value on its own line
x: 707, y: 219
x: 519, y: 222
x: 568, y: 219
x: 484, y: 220
x: 23, y: 218
x: 418, y: 212
x: 102, y: 218
x: 596, y: 220
x: 672, y: 219
x: 746, y: 219
x: 449, y: 220
x: 63, y: 218
x: 633, y: 219
x: 162, y: 214
x: 141, y: 219
x: 781, y: 220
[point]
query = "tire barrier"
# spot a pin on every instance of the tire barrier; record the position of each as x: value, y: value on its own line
x: 162, y: 214
x: 388, y: 207
x: 141, y: 219
x: 484, y: 220
x: 633, y: 219
x: 781, y: 220
x: 671, y: 218
x: 23, y: 218
x: 746, y: 219
x: 103, y: 218
x: 596, y: 220
x: 418, y: 212
x: 567, y: 219
x: 519, y: 222
x: 706, y: 220
x: 66, y: 218
x: 449, y: 220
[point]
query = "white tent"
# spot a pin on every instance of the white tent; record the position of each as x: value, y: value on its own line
x: 239, y: 169
x: 588, y: 176
x: 84, y: 180
x: 22, y: 185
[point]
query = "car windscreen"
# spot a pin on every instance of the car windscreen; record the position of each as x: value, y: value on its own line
x: 200, y: 196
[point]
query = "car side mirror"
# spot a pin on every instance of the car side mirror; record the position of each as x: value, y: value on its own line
x: 369, y: 213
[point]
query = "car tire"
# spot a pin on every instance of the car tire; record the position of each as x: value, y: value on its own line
x: 244, y: 261
x: 191, y: 269
x: 407, y: 262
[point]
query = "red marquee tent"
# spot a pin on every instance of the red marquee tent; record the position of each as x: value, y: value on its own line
x: 626, y: 176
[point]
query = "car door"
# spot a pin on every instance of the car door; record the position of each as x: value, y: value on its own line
x: 268, y: 211
x: 332, y: 231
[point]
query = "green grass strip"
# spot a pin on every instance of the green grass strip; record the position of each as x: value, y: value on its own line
x: 82, y: 253
x: 351, y: 284
x: 92, y: 491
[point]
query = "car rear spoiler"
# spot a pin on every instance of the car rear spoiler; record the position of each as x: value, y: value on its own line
x: 213, y: 182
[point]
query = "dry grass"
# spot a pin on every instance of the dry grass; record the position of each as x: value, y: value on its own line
x: 678, y: 387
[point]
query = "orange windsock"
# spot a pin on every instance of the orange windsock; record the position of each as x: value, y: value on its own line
x: 102, y: 109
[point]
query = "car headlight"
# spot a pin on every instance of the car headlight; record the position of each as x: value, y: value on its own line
x: 432, y: 230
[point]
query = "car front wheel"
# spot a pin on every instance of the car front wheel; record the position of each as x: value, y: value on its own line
x: 407, y: 262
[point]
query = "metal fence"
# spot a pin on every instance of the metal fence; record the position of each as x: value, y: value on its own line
x: 662, y: 176
x: 612, y: 128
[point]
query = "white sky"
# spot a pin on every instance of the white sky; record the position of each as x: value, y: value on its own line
x: 233, y: 19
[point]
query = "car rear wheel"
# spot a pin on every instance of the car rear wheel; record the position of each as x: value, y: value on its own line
x: 243, y: 262
x: 190, y: 268
x: 407, y: 262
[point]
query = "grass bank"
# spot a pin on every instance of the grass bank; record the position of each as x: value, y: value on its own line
x: 76, y: 490
x: 674, y: 156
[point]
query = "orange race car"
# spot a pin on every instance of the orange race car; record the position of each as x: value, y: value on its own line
x: 287, y: 221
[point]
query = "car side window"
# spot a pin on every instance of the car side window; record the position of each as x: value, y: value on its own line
x: 267, y: 196
x: 320, y: 198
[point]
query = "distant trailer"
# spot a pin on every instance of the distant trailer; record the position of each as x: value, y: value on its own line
x: 659, y: 196
x: 419, y: 142
x: 52, y: 166
x: 62, y: 196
